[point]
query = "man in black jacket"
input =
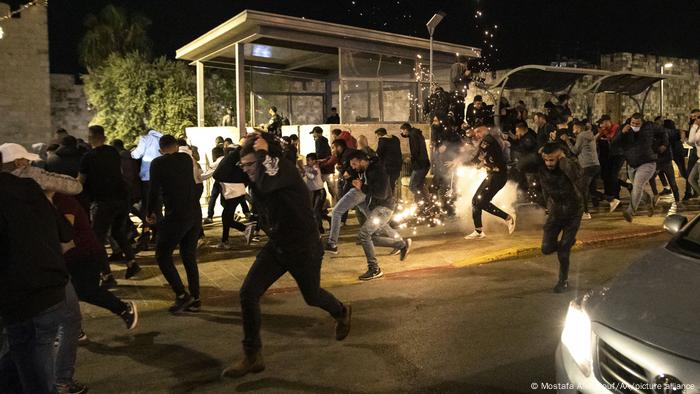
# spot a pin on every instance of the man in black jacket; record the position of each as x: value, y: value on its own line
x: 378, y: 208
x: 636, y: 139
x: 420, y: 163
x: 561, y: 178
x: 389, y: 153
x: 33, y: 279
x: 66, y: 158
x: 323, y: 152
x: 286, y: 215
x: 172, y: 177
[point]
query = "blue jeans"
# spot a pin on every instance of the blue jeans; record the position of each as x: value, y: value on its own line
x: 350, y: 200
x: 68, y: 337
x: 640, y: 177
x: 378, y: 222
x: 215, y: 192
x: 415, y: 184
x: 32, y: 348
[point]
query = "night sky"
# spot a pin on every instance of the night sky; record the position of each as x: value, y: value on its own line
x: 529, y: 31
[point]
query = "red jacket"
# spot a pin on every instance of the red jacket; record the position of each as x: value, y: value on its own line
x: 86, y: 244
x: 350, y: 141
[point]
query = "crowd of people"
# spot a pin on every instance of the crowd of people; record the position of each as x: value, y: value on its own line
x: 69, y: 203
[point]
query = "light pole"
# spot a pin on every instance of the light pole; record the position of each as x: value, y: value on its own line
x: 432, y: 24
x: 666, y: 66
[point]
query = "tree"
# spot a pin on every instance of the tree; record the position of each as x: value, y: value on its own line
x: 128, y: 90
x: 112, y: 31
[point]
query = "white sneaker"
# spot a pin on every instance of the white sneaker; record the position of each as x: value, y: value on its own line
x: 476, y: 235
x: 586, y: 216
x: 511, y: 224
x: 673, y: 210
x: 614, y: 204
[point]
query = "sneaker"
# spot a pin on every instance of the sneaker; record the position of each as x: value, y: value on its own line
x: 201, y: 243
x: 510, y: 222
x: 255, y: 239
x: 614, y: 204
x: 82, y: 337
x: 476, y: 235
x: 673, y: 209
x: 342, y: 324
x: 666, y: 192
x: 107, y: 281
x: 130, y: 315
x: 395, y: 252
x: 372, y: 273
x: 224, y: 245
x: 208, y: 221
x: 586, y: 216
x: 330, y: 248
x: 249, y: 232
x: 249, y: 364
x: 132, y: 269
x: 182, y: 302
x: 407, y: 248
x: 562, y: 286
x: 196, y: 306
x: 73, y: 387
x: 627, y: 214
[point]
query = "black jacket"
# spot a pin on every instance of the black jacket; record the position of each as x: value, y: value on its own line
x: 562, y: 187
x: 33, y: 274
x: 491, y: 155
x: 228, y: 171
x: 419, y: 153
x: 661, y: 138
x: 543, y: 134
x: 438, y: 104
x: 675, y: 142
x: 638, y: 146
x: 527, y: 144
x: 323, y: 151
x: 283, y: 203
x: 375, y: 185
x: 389, y: 152
x: 65, y: 160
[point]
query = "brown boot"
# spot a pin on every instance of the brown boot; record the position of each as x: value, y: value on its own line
x: 342, y: 325
x: 250, y: 363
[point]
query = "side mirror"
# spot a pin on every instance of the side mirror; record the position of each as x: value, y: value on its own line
x: 674, y: 223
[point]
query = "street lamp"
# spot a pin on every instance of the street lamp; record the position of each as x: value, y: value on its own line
x: 432, y: 24
x: 666, y: 66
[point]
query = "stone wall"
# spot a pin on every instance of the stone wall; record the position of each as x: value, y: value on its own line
x: 25, y: 105
x: 69, y: 108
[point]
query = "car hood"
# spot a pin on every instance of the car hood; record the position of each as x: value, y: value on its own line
x: 655, y: 301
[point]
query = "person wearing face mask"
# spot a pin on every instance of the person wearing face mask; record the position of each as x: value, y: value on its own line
x: 694, y: 141
x: 636, y: 139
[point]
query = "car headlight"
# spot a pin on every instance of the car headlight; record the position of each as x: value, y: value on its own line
x: 576, y: 337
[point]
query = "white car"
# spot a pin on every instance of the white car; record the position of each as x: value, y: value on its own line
x: 640, y: 334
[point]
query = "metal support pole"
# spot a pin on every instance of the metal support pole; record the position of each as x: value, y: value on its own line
x: 661, y: 104
x: 497, y: 112
x: 430, y: 77
x: 240, y: 89
x: 200, y: 94
x: 341, y: 91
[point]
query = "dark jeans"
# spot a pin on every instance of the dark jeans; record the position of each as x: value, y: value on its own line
x: 666, y: 170
x: 567, y: 227
x: 393, y: 180
x: 488, y: 189
x: 85, y: 276
x: 589, y: 176
x: 611, y: 175
x: 31, y: 345
x: 68, y: 337
x: 215, y: 192
x: 227, y: 217
x: 318, y: 200
x: 415, y: 185
x: 185, y: 233
x: 114, y: 216
x: 270, y: 264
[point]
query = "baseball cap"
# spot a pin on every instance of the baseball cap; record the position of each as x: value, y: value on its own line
x: 316, y: 130
x: 11, y: 152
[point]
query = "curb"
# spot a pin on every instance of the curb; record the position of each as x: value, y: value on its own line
x: 503, y: 255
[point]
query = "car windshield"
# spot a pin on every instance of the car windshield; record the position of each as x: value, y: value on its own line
x: 689, y: 241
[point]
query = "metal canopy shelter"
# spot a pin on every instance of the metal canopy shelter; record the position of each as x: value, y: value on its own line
x: 294, y: 46
x: 630, y: 84
x: 535, y: 77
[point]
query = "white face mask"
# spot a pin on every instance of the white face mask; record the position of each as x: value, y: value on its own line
x: 636, y: 129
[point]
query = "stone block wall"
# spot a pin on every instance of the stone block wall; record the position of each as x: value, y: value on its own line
x: 25, y: 104
x: 69, y: 107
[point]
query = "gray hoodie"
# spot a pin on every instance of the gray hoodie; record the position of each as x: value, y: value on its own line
x: 585, y: 149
